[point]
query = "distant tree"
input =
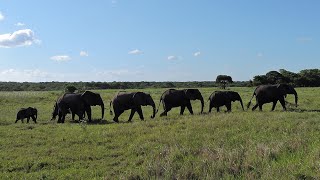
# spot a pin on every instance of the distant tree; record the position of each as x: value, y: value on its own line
x: 70, y: 89
x: 310, y: 77
x: 223, y: 80
x: 289, y: 77
x: 259, y: 80
x: 274, y: 77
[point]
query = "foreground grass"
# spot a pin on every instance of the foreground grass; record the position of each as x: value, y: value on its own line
x: 245, y: 145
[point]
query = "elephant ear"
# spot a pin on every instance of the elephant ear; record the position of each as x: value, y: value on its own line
x: 139, y: 98
x: 234, y: 96
x: 228, y: 95
x: 90, y: 98
x: 190, y: 93
x: 29, y: 111
x: 282, y: 88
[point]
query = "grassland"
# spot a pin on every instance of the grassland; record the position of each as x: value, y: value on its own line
x: 241, y: 145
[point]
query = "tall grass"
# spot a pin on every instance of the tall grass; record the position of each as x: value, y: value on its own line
x: 242, y: 145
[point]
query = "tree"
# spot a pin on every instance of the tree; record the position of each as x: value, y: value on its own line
x: 289, y: 77
x: 274, y: 77
x: 310, y: 77
x: 70, y: 89
x: 223, y: 80
x: 259, y: 80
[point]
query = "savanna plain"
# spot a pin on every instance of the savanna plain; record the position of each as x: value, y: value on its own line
x: 236, y: 145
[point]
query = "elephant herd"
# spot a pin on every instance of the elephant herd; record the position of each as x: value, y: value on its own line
x: 80, y: 104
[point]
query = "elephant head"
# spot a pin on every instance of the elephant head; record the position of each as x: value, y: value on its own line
x: 143, y: 99
x: 32, y: 112
x: 93, y: 99
x: 288, y: 89
x: 234, y: 96
x: 194, y: 94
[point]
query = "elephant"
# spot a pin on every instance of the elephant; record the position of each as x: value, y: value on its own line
x: 179, y: 98
x: 27, y: 113
x: 224, y: 98
x: 131, y: 100
x: 272, y: 93
x: 55, y: 113
x: 79, y: 104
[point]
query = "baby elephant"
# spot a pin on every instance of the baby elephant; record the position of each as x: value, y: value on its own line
x: 27, y: 113
x: 223, y: 98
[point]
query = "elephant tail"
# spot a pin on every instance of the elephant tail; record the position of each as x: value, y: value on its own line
x: 249, y: 103
x: 111, y: 113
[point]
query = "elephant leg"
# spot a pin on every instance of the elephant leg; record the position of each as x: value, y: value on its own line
x: 210, y: 108
x: 59, y: 116
x: 254, y: 107
x: 117, y: 113
x: 274, y: 103
x: 260, y: 107
x: 164, y: 113
x: 182, y: 110
x: 131, y: 114
x: 28, y: 119
x: 16, y: 120
x: 190, y: 108
x: 218, y: 109
x: 166, y: 108
x: 228, y: 106
x: 139, y: 110
x: 22, y: 120
x: 34, y: 119
x: 73, y: 115
x: 88, y: 111
x: 283, y: 103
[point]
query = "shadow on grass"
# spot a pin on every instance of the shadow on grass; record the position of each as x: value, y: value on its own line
x: 302, y: 110
x: 101, y: 122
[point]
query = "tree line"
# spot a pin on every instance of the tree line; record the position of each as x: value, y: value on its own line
x: 80, y: 86
x: 304, y: 78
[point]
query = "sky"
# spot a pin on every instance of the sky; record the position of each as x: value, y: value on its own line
x: 158, y: 40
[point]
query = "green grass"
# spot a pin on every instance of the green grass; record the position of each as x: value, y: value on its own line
x: 241, y: 145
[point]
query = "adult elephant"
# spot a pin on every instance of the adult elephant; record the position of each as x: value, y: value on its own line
x: 180, y: 98
x: 224, y: 98
x: 131, y: 100
x: 272, y: 93
x: 79, y: 104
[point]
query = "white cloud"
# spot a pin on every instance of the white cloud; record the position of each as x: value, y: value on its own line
x: 19, y: 24
x: 304, y: 39
x: 1, y: 16
x: 84, y: 53
x: 61, y: 58
x: 172, y: 57
x: 114, y: 2
x: 17, y: 75
x: 36, y: 75
x: 120, y: 74
x: 23, y: 37
x: 135, y: 51
x: 196, y: 54
x: 260, y: 54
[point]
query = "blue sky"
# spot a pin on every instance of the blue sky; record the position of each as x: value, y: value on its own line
x: 158, y: 40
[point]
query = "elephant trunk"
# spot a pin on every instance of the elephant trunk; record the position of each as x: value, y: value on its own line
x: 241, y: 103
x: 154, y: 111
x: 102, y: 110
x: 202, y: 104
x: 296, y: 98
